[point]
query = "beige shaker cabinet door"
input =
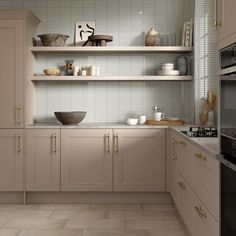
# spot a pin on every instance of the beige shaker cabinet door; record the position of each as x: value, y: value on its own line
x: 86, y: 160
x: 11, y: 159
x: 226, y: 17
x: 139, y: 160
x: 43, y: 159
x: 11, y: 73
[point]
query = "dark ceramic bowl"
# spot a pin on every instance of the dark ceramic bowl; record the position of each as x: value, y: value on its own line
x: 53, y: 39
x: 70, y: 117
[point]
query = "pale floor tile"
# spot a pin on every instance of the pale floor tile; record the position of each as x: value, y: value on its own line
x: 159, y: 207
x: 168, y: 232
x: 79, y: 214
x: 116, y: 206
x: 50, y: 233
x: 23, y: 214
x: 34, y: 224
x: 95, y: 224
x: 64, y: 207
x: 90, y: 232
x: 155, y: 224
x: 19, y: 206
x: 8, y: 232
x: 143, y: 215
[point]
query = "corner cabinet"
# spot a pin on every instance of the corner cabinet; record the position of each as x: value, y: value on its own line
x: 139, y: 160
x: 43, y: 160
x: 70, y: 50
x: 11, y: 160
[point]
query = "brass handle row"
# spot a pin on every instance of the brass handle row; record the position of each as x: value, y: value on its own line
x: 54, y: 143
x: 182, y: 185
x: 200, y: 212
x: 216, y: 22
x: 18, y: 143
x: 201, y: 157
x: 107, y: 142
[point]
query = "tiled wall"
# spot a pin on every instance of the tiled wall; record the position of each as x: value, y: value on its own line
x: 127, y: 21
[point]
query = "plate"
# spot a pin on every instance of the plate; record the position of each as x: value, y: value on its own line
x: 172, y: 118
x: 170, y: 72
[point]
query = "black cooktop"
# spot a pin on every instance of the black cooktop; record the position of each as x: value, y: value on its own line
x: 203, y: 132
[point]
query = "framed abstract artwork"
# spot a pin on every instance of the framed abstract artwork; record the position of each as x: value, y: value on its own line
x: 83, y: 29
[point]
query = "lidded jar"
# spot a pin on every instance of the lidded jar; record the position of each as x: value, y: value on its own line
x: 151, y: 37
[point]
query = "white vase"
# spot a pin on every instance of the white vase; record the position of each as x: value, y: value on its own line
x: 211, y: 118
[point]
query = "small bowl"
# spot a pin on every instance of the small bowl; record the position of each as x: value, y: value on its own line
x: 167, y: 66
x: 53, y: 39
x: 70, y: 117
x: 53, y: 72
x: 131, y: 121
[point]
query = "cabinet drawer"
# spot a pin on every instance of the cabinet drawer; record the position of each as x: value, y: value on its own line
x: 206, y: 179
x: 203, y: 223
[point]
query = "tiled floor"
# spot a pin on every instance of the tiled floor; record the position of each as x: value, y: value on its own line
x: 90, y: 220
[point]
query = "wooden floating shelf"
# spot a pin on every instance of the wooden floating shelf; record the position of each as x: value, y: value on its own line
x: 141, y: 49
x: 111, y: 78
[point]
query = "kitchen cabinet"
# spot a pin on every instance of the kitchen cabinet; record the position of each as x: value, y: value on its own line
x: 193, y: 181
x: 43, y: 159
x: 11, y: 73
x: 11, y: 159
x: 139, y: 160
x: 225, y: 22
x: 17, y: 93
x: 86, y: 160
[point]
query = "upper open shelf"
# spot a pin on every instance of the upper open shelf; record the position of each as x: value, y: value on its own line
x: 141, y: 49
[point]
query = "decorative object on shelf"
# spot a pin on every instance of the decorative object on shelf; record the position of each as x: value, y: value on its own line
x: 172, y: 39
x: 167, y: 69
x: 53, y: 39
x: 69, y: 67
x: 164, y: 39
x: 70, y: 117
x: 83, y: 30
x: 207, y: 116
x: 187, y: 34
x: 52, y: 72
x: 165, y: 122
x: 75, y: 70
x: 100, y: 40
x: 151, y: 37
x: 182, y: 65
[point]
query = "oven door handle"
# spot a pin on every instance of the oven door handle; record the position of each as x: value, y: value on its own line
x: 229, y: 70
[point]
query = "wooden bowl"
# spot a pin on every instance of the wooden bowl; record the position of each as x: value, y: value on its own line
x: 53, y: 39
x: 53, y: 72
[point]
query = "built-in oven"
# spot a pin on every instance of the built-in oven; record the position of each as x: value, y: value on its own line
x: 228, y: 140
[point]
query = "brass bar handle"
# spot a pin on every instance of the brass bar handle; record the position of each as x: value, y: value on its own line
x: 107, y: 143
x: 54, y: 143
x: 116, y: 139
x: 174, y: 157
x: 200, y: 212
x: 18, y: 115
x: 19, y: 143
x: 200, y: 157
x: 183, y: 143
x: 216, y: 22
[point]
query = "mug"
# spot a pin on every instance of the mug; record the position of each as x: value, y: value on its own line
x: 158, y: 116
x: 142, y: 120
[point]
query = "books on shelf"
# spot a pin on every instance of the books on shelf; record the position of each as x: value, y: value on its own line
x: 187, y: 34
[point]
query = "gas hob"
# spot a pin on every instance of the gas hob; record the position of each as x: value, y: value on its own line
x: 204, y: 132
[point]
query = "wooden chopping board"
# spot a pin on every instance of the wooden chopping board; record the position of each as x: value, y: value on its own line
x: 165, y: 122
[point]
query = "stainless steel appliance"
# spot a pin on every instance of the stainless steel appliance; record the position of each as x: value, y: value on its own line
x: 228, y: 140
x: 201, y: 132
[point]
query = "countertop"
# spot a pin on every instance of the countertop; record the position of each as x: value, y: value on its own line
x: 210, y: 145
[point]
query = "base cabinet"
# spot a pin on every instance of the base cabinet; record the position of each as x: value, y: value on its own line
x: 11, y: 159
x: 43, y: 160
x: 86, y: 160
x: 139, y: 160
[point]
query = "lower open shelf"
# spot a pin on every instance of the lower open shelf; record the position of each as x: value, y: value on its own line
x: 111, y: 78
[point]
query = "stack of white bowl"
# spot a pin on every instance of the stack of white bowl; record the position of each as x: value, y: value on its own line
x: 168, y: 69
